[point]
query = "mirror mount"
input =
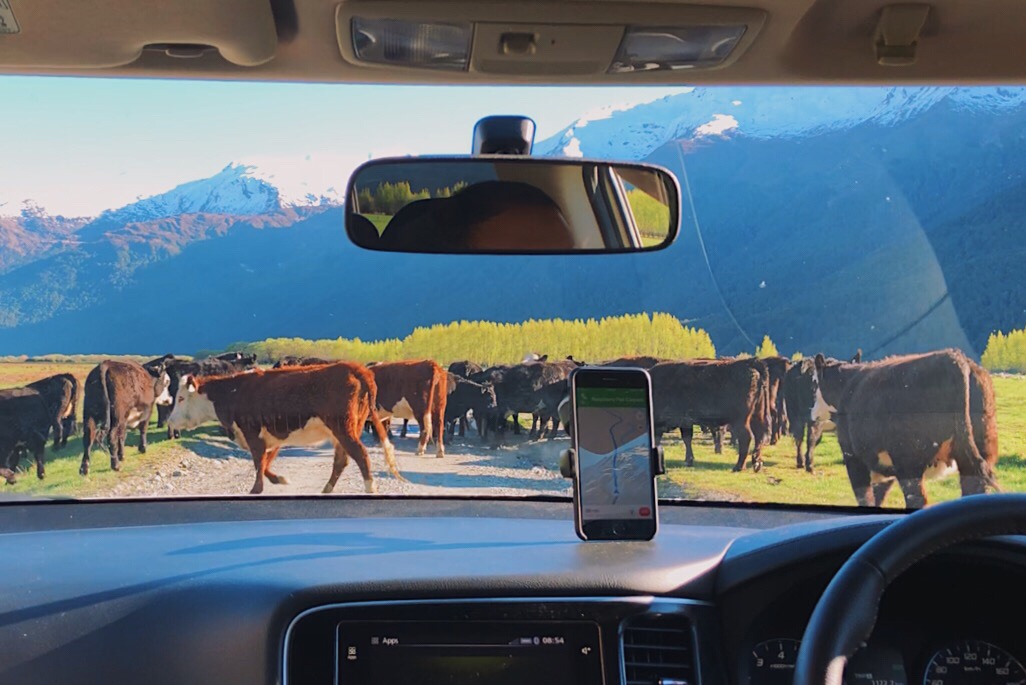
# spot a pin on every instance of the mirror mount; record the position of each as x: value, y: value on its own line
x: 504, y: 135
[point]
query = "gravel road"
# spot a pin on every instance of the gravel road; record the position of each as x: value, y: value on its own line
x: 209, y: 464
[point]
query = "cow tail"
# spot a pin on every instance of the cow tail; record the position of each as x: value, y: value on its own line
x: 106, y: 398
x: 965, y: 441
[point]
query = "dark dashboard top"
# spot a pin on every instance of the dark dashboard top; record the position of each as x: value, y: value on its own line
x: 203, y: 590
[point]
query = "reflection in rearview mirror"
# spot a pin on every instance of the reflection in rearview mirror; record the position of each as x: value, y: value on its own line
x: 510, y: 205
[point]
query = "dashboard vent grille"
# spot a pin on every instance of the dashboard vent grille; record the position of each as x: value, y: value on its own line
x: 657, y: 650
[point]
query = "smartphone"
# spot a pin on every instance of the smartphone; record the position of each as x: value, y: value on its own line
x: 614, y: 475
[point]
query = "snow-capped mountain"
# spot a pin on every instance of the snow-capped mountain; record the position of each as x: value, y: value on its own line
x: 634, y: 132
x: 243, y: 189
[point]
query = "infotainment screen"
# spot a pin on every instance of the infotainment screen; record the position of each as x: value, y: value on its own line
x: 469, y: 652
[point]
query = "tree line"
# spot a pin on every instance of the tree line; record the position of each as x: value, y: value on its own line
x: 389, y: 198
x: 490, y: 342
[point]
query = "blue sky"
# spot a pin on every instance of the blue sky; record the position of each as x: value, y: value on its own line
x: 77, y: 146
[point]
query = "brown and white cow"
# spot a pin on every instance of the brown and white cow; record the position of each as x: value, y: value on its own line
x: 911, y: 417
x: 414, y: 390
x: 267, y: 410
x: 120, y: 395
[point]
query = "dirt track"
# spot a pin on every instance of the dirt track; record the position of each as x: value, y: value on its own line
x: 209, y: 464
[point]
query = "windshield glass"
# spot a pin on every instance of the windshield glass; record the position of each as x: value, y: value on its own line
x: 156, y: 234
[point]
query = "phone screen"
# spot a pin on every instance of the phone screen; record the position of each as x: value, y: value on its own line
x: 614, y: 454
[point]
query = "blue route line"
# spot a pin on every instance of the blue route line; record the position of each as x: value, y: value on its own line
x: 616, y: 453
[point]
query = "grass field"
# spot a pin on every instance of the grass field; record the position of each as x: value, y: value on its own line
x: 62, y: 477
x: 779, y: 480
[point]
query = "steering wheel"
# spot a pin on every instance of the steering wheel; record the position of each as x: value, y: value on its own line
x: 846, y: 613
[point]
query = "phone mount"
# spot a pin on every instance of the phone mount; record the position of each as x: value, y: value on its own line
x: 568, y: 462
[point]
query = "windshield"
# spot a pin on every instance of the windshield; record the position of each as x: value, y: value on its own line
x: 157, y: 234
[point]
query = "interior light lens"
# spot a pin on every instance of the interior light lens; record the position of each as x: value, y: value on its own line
x: 412, y: 44
x: 647, y: 48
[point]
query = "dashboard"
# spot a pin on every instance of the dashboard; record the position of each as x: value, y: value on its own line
x: 368, y: 590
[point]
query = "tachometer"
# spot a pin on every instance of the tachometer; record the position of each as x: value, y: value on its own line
x: 973, y: 662
x: 772, y: 662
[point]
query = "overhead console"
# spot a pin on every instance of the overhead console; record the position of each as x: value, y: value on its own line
x: 626, y: 41
x: 495, y: 641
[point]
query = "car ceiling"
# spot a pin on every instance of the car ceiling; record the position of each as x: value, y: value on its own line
x: 788, y: 41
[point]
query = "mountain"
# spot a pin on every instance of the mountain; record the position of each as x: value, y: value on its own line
x: 828, y: 218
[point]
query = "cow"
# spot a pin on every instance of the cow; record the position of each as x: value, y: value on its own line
x: 536, y: 388
x: 777, y: 368
x: 60, y: 393
x: 176, y: 369
x: 911, y: 417
x: 714, y: 393
x: 465, y: 368
x: 464, y: 396
x: 299, y: 361
x: 801, y: 387
x: 414, y: 390
x: 25, y: 421
x: 306, y: 405
x: 120, y: 395
x: 238, y: 359
x: 640, y: 362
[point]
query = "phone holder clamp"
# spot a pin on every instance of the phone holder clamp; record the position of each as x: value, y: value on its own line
x: 568, y: 462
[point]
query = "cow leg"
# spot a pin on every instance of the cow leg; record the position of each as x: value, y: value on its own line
x: 437, y: 422
x: 860, y: 479
x: 516, y: 424
x: 269, y: 456
x: 143, y: 425
x: 257, y: 450
x: 799, y: 438
x: 39, y: 450
x: 163, y: 411
x: 116, y: 442
x: 463, y: 425
x: 58, y: 433
x: 717, y: 436
x: 744, y: 436
x: 88, y: 436
x: 913, y: 489
x: 345, y: 447
x: 814, y: 434
x: 880, y: 491
x: 337, y: 467
x: 406, y: 425
x: 687, y: 432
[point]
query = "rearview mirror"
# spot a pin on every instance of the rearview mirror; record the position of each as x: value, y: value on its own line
x: 502, y: 204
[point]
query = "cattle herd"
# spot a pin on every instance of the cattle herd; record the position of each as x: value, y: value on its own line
x: 900, y: 419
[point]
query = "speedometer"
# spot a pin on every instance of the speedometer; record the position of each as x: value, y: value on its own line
x: 973, y: 662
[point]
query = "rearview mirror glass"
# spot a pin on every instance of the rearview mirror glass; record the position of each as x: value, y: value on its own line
x: 513, y: 205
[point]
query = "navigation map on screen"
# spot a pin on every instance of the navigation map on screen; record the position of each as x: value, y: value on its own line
x: 613, y: 453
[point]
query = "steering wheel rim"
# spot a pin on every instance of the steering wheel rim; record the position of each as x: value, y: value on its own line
x: 846, y: 613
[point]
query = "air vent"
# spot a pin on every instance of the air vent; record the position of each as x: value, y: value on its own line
x: 657, y: 650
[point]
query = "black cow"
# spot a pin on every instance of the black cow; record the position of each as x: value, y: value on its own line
x: 465, y: 368
x: 777, y: 368
x: 464, y: 396
x: 25, y: 422
x: 60, y: 393
x: 730, y: 392
x: 178, y: 369
x: 911, y: 417
x: 238, y: 358
x: 801, y: 388
x: 536, y: 388
x: 298, y: 361
x: 120, y: 395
